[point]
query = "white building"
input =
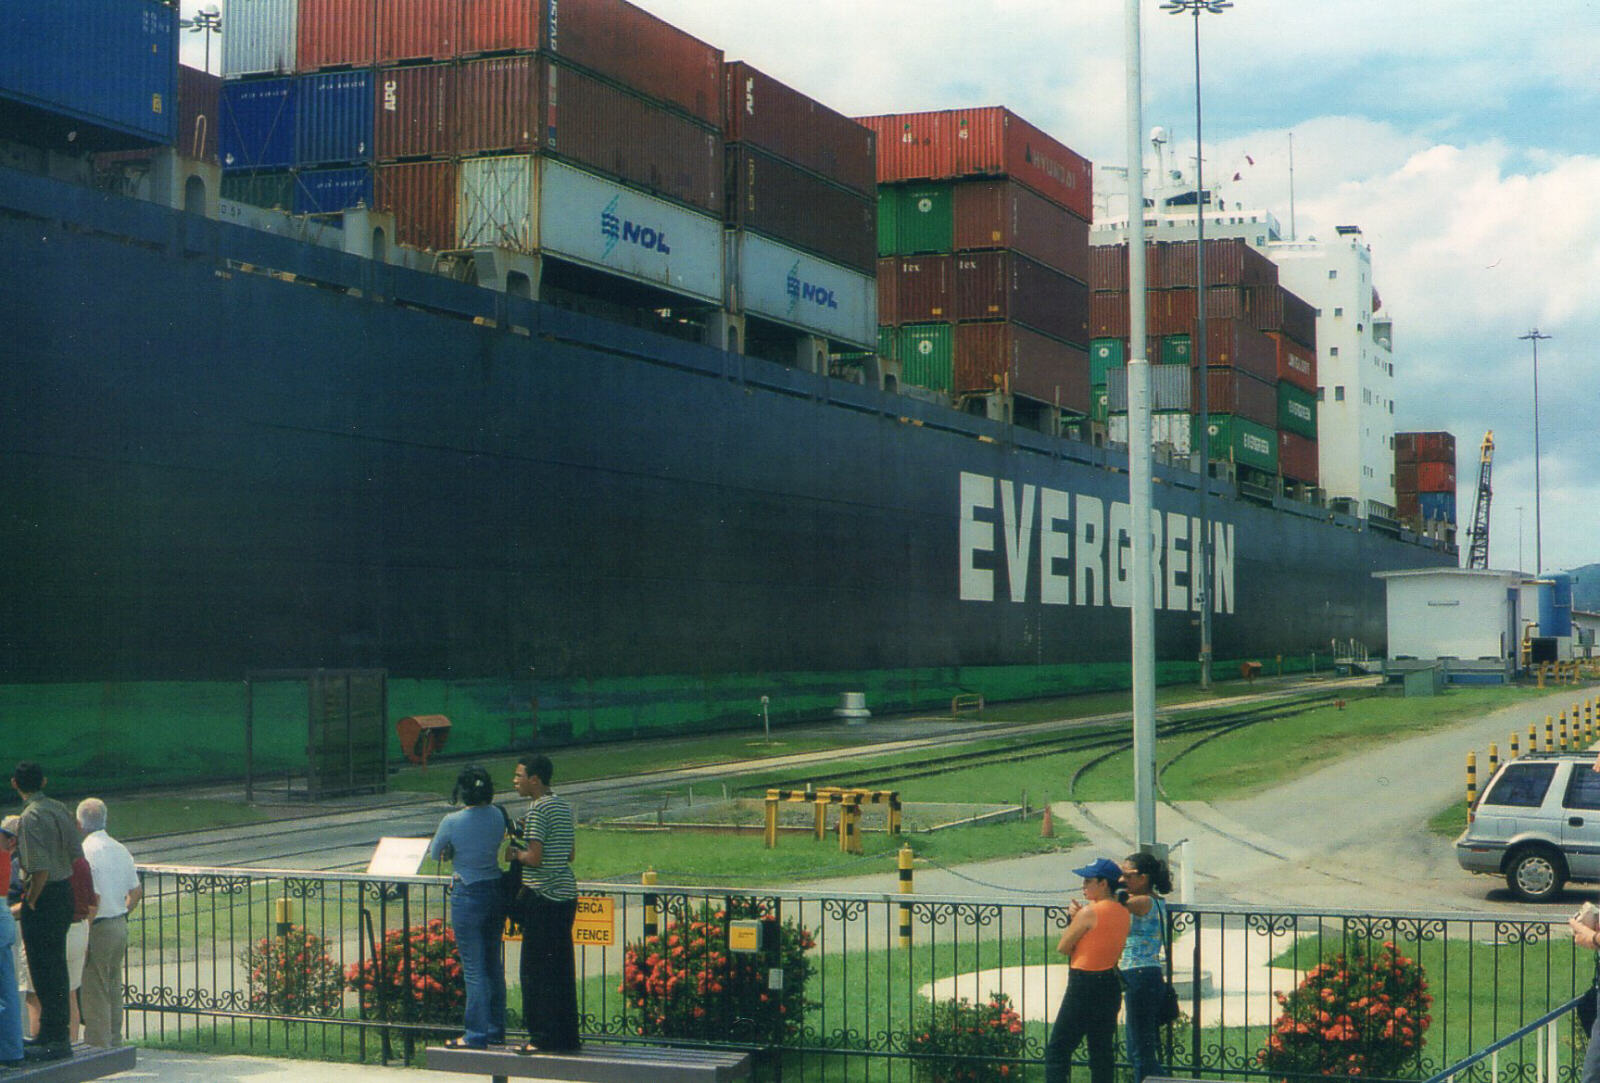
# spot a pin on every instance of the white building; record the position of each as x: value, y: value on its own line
x: 1470, y: 619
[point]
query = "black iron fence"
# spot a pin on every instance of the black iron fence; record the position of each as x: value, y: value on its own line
x: 829, y: 987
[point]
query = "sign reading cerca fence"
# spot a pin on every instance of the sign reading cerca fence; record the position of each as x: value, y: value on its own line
x: 595, y: 924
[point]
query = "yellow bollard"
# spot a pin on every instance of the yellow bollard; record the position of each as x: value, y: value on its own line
x: 819, y: 819
x: 652, y: 918
x: 1563, y: 732
x: 1516, y: 753
x: 905, y: 889
x: 770, y: 828
x: 1494, y: 758
x: 1541, y: 669
x: 1549, y: 733
x: 1472, y: 783
x: 283, y: 914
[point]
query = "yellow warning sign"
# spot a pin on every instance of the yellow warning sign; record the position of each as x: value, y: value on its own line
x: 595, y: 924
x: 744, y: 936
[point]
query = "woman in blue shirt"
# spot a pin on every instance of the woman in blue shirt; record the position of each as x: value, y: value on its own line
x: 470, y: 837
x: 1143, y: 966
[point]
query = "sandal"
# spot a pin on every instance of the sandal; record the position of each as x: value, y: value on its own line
x: 461, y: 1043
x: 526, y: 1049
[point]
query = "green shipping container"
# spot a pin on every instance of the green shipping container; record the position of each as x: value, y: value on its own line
x: 1104, y: 353
x: 259, y: 189
x: 926, y: 355
x: 888, y: 219
x: 1297, y: 410
x: 1099, y: 402
x: 925, y: 219
x: 1175, y: 350
x: 886, y: 343
x: 1242, y: 441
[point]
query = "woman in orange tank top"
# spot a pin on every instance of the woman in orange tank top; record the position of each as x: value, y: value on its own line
x: 1092, y: 943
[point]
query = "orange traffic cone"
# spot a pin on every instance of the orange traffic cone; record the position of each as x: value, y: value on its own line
x: 1047, y: 826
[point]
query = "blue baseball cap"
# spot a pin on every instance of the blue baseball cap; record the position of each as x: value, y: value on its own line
x: 1101, y: 868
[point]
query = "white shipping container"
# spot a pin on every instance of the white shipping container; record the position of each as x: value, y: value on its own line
x: 534, y: 204
x: 790, y: 287
x: 259, y: 37
x: 1170, y: 429
x: 1169, y: 387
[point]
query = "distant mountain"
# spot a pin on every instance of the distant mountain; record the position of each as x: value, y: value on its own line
x: 1586, y: 588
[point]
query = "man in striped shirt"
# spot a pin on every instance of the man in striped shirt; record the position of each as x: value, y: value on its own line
x: 550, y: 903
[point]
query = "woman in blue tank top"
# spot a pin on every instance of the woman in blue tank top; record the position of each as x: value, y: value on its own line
x: 1143, y: 964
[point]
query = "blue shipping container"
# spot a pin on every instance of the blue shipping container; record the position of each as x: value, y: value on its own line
x: 323, y: 191
x: 333, y: 118
x: 257, y: 124
x: 1437, y: 507
x: 105, y: 70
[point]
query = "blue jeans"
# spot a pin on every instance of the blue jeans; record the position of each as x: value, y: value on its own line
x: 477, y: 917
x: 1142, y: 990
x: 10, y: 999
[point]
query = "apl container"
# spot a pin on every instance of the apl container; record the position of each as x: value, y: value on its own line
x: 1010, y: 286
x: 261, y: 37
x: 612, y: 38
x: 531, y: 104
x: 767, y: 114
x: 799, y: 290
x: 105, y: 71
x: 1297, y: 458
x: 334, y: 118
x: 418, y: 29
x: 416, y: 114
x: 927, y: 355
x: 1242, y: 441
x: 991, y: 142
x: 258, y: 124
x: 769, y: 196
x: 1003, y: 214
x: 1297, y: 410
x: 335, y: 34
x: 327, y: 191
x: 1005, y: 356
x: 422, y: 197
x: 922, y: 287
x: 535, y: 204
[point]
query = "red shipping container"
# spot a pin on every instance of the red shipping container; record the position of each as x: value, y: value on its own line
x: 991, y: 141
x: 922, y: 288
x: 989, y: 356
x: 1004, y: 214
x: 1297, y: 364
x: 1435, y: 477
x: 335, y: 33
x: 769, y: 196
x: 1405, y: 447
x: 1008, y: 286
x: 1235, y: 344
x: 1108, y: 315
x: 769, y: 115
x: 1232, y: 391
x: 1230, y: 261
x: 1435, y: 447
x: 528, y: 104
x: 416, y: 111
x: 1300, y: 320
x: 1405, y: 477
x: 1167, y: 312
x: 888, y: 291
x: 422, y: 197
x: 1297, y: 458
x: 1408, y: 506
x: 419, y: 29
x: 612, y: 38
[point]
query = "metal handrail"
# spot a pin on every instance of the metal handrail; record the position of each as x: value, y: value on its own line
x: 1515, y: 1036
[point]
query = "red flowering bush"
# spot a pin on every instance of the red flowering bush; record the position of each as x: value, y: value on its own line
x: 429, y: 990
x: 1360, y: 1013
x: 293, y: 974
x: 963, y: 1042
x: 685, y: 983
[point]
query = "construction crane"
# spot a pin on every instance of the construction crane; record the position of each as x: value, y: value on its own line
x: 1478, y: 550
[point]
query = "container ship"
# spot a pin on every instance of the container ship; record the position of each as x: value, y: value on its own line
x: 574, y: 383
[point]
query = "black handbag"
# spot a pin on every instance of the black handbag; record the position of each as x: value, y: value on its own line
x: 1170, y: 1008
x: 1586, y: 1006
x: 511, y: 882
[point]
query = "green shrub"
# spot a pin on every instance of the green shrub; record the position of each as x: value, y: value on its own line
x: 429, y: 990
x: 293, y: 974
x: 685, y: 983
x: 963, y: 1042
x: 1359, y: 1013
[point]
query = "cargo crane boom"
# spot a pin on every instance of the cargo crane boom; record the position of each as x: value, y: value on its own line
x: 1478, y: 552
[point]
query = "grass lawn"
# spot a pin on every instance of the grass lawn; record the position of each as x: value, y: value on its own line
x: 1449, y: 821
x: 142, y: 817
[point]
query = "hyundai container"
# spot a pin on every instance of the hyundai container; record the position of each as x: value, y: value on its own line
x: 769, y: 196
x: 1009, y: 286
x: 416, y: 111
x: 1297, y: 363
x: 800, y: 291
x: 261, y: 37
x: 258, y: 124
x: 769, y: 115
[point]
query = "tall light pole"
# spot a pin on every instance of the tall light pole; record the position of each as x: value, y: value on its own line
x: 1538, y: 516
x: 206, y: 21
x: 1203, y: 595
x: 1519, y: 538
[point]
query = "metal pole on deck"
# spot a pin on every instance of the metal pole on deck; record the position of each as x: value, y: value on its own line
x: 1140, y: 490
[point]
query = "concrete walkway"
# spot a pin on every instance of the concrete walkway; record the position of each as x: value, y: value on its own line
x: 169, y: 1067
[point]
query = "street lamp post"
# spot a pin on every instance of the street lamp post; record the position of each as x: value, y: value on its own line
x: 1203, y: 593
x: 1535, y: 337
x: 206, y: 21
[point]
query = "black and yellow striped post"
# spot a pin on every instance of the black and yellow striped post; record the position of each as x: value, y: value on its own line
x: 1540, y: 671
x: 905, y: 889
x: 1472, y: 783
x: 652, y: 916
x: 1562, y: 733
x: 1516, y: 753
x: 1577, y: 729
x: 1494, y: 758
x: 769, y: 828
x: 283, y: 915
x: 1533, y: 738
x: 1588, y: 721
x: 850, y: 827
x: 1549, y: 733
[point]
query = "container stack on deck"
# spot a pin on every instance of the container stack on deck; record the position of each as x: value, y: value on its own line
x: 1425, y: 480
x: 1260, y: 368
x: 983, y: 239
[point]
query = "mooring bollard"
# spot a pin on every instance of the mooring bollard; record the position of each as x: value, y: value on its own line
x: 905, y: 889
x: 652, y: 918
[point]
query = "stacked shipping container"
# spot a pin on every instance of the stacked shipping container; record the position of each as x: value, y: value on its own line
x: 1425, y: 478
x: 1260, y: 364
x: 983, y: 231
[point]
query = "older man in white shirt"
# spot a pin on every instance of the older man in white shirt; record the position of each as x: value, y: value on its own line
x: 116, y: 881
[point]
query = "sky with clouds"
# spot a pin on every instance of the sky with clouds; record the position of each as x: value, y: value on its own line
x: 1460, y: 137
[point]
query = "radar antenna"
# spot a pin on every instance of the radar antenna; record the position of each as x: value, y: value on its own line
x: 1478, y: 552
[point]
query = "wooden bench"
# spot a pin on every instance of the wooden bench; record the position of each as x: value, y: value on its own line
x: 87, y: 1062
x: 597, y: 1064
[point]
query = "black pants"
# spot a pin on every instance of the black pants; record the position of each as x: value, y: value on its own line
x: 549, y: 975
x: 44, y: 934
x: 1088, y: 1013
